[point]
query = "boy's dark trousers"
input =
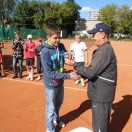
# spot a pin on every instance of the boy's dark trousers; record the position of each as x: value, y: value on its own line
x: 15, y: 69
x: 39, y: 66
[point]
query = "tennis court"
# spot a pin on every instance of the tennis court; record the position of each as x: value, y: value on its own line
x: 22, y: 103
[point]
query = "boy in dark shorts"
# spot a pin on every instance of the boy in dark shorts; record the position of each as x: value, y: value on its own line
x: 29, y: 53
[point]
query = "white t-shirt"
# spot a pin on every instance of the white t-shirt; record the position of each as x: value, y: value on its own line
x: 79, y: 50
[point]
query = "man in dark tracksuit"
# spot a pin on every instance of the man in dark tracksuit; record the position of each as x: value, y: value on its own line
x: 102, y: 76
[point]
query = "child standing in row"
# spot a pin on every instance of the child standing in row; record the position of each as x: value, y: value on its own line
x: 29, y: 53
x: 1, y: 58
x: 38, y: 53
x: 79, y: 51
x: 18, y: 53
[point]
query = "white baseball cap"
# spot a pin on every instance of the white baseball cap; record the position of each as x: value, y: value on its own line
x: 29, y: 36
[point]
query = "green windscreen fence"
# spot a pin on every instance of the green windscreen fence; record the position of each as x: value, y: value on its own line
x: 1, y: 33
x: 36, y: 33
x: 8, y: 33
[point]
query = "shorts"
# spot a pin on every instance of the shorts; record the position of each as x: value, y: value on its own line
x: 1, y: 58
x: 30, y: 62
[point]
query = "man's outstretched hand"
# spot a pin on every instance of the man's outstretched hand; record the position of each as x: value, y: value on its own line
x: 74, y: 76
x: 69, y: 62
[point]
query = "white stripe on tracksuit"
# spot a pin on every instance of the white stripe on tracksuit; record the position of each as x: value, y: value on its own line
x: 105, y: 79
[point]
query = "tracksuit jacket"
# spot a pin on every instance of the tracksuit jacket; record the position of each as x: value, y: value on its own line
x: 101, y: 73
x: 37, y: 51
x: 52, y: 59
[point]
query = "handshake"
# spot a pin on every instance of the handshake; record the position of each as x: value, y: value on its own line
x: 74, y: 76
x: 69, y: 60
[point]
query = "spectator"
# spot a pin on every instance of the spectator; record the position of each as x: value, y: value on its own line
x: 29, y: 53
x: 79, y: 52
x: 18, y: 53
x: 38, y: 53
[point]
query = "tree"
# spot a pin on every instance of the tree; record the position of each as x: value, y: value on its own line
x: 39, y: 14
x: 6, y: 9
x: 118, y: 18
x: 72, y: 1
x: 23, y: 14
x: 63, y: 15
x: 108, y: 15
x: 130, y: 21
x: 124, y: 21
x: 70, y: 14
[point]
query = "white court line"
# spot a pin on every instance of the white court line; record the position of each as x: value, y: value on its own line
x: 124, y: 65
x: 42, y: 84
x: 36, y: 83
x: 81, y: 129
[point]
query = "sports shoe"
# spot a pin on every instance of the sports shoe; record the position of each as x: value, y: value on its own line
x: 28, y: 77
x: 82, y: 82
x: 31, y: 78
x: 38, y: 78
x: 2, y: 74
x: 76, y: 82
x: 20, y: 76
x: 60, y: 123
x: 15, y: 76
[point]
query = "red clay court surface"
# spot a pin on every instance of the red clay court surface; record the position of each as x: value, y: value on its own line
x: 22, y: 103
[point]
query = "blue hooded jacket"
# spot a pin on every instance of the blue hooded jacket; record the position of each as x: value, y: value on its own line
x: 52, y: 59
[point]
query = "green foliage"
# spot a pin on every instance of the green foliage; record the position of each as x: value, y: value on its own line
x: 6, y: 9
x: 23, y: 15
x: 39, y: 14
x: 125, y: 22
x: 108, y: 15
x: 70, y: 15
x: 118, y: 18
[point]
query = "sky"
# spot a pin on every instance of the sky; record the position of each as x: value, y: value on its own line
x: 88, y: 5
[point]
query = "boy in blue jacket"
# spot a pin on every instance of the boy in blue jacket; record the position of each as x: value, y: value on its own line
x: 52, y: 59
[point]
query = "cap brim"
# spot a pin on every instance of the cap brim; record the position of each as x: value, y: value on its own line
x: 92, y: 31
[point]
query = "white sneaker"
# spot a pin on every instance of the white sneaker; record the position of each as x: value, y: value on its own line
x: 38, y: 78
x: 28, y: 77
x: 76, y: 82
x: 31, y: 78
x: 60, y: 123
x: 2, y: 74
x: 55, y: 122
x: 47, y: 130
x: 82, y: 82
